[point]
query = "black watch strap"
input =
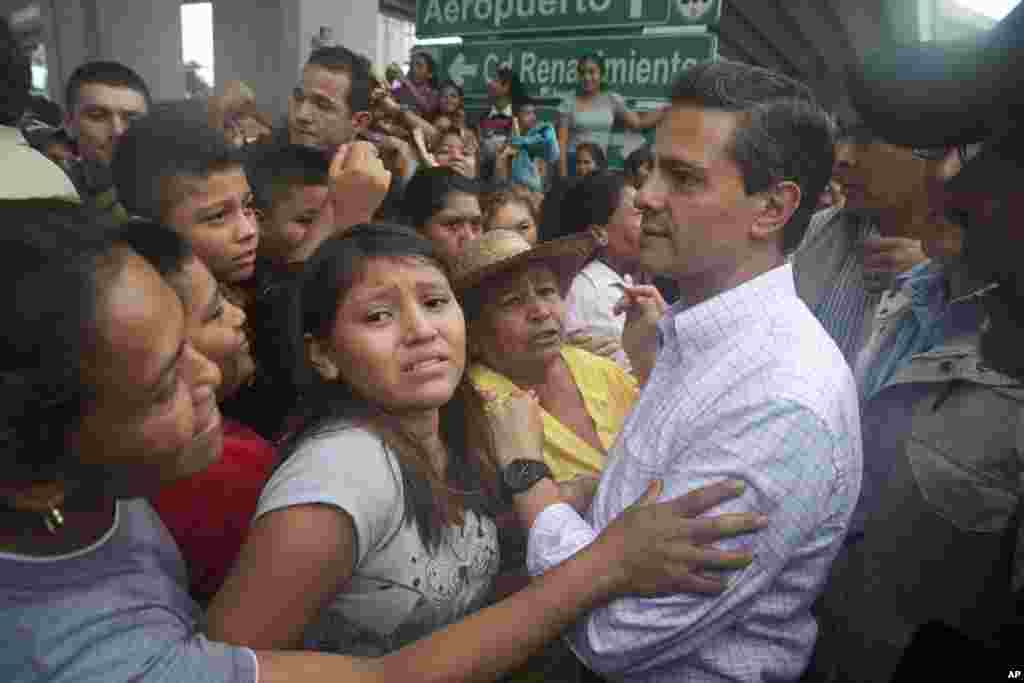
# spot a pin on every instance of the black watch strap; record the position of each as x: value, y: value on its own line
x: 520, y: 475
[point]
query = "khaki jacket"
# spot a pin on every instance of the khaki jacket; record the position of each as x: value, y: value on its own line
x: 934, y: 546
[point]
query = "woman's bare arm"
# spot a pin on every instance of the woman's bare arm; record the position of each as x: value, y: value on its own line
x: 292, y: 563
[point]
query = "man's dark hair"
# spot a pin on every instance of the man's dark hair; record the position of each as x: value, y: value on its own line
x: 17, y: 77
x: 782, y: 135
x: 174, y: 140
x: 113, y: 74
x: 355, y: 66
x: 279, y: 169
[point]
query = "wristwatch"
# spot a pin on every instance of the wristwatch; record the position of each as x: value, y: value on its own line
x: 520, y: 475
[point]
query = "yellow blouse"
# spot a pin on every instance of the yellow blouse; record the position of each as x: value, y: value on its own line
x: 609, y: 393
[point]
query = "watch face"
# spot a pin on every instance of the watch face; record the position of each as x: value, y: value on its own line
x: 520, y: 475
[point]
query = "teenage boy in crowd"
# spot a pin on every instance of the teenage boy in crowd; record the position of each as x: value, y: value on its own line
x: 103, y: 100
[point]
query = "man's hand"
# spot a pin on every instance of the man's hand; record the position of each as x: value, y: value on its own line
x: 644, y: 307
x: 656, y: 548
x: 358, y: 183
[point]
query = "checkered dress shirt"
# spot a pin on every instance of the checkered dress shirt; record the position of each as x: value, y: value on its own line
x: 748, y: 386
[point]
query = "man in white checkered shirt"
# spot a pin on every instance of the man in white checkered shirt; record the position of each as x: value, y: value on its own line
x: 742, y: 382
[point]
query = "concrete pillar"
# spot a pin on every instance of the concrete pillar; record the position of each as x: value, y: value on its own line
x: 250, y: 44
x: 265, y: 44
x: 353, y: 24
x: 145, y: 36
x: 68, y: 43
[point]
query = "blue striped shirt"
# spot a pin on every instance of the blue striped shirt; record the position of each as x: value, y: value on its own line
x: 830, y: 278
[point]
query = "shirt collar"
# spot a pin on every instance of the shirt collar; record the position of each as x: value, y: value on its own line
x: 696, y: 329
x: 506, y: 111
x: 932, y: 287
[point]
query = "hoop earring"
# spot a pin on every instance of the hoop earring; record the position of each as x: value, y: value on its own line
x: 53, y: 520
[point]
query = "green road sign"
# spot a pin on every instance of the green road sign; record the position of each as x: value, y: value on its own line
x: 695, y: 12
x: 437, y: 18
x: 636, y: 66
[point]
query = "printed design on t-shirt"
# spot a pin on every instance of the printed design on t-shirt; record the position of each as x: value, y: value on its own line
x: 473, y: 555
x: 422, y: 594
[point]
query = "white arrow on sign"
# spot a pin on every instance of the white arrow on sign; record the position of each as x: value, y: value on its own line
x: 459, y: 69
x: 636, y: 9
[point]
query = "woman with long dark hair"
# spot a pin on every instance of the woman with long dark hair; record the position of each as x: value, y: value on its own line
x: 380, y: 471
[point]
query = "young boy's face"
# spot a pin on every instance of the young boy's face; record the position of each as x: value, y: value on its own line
x: 286, y: 224
x: 215, y: 215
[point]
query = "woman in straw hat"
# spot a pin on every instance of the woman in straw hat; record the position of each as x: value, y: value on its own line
x: 512, y: 295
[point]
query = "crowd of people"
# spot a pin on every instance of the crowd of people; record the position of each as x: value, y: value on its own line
x: 379, y: 390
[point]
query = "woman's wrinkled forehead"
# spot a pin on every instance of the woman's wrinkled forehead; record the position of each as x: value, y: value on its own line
x: 518, y: 278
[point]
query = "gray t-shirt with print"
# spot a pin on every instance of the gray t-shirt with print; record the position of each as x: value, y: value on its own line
x: 400, y: 591
x: 116, y: 611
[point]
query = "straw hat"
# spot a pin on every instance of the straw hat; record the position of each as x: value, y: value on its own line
x: 500, y: 251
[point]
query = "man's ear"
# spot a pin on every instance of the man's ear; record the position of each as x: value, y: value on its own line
x: 320, y: 359
x: 778, y: 204
x: 600, y: 233
x: 361, y: 121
